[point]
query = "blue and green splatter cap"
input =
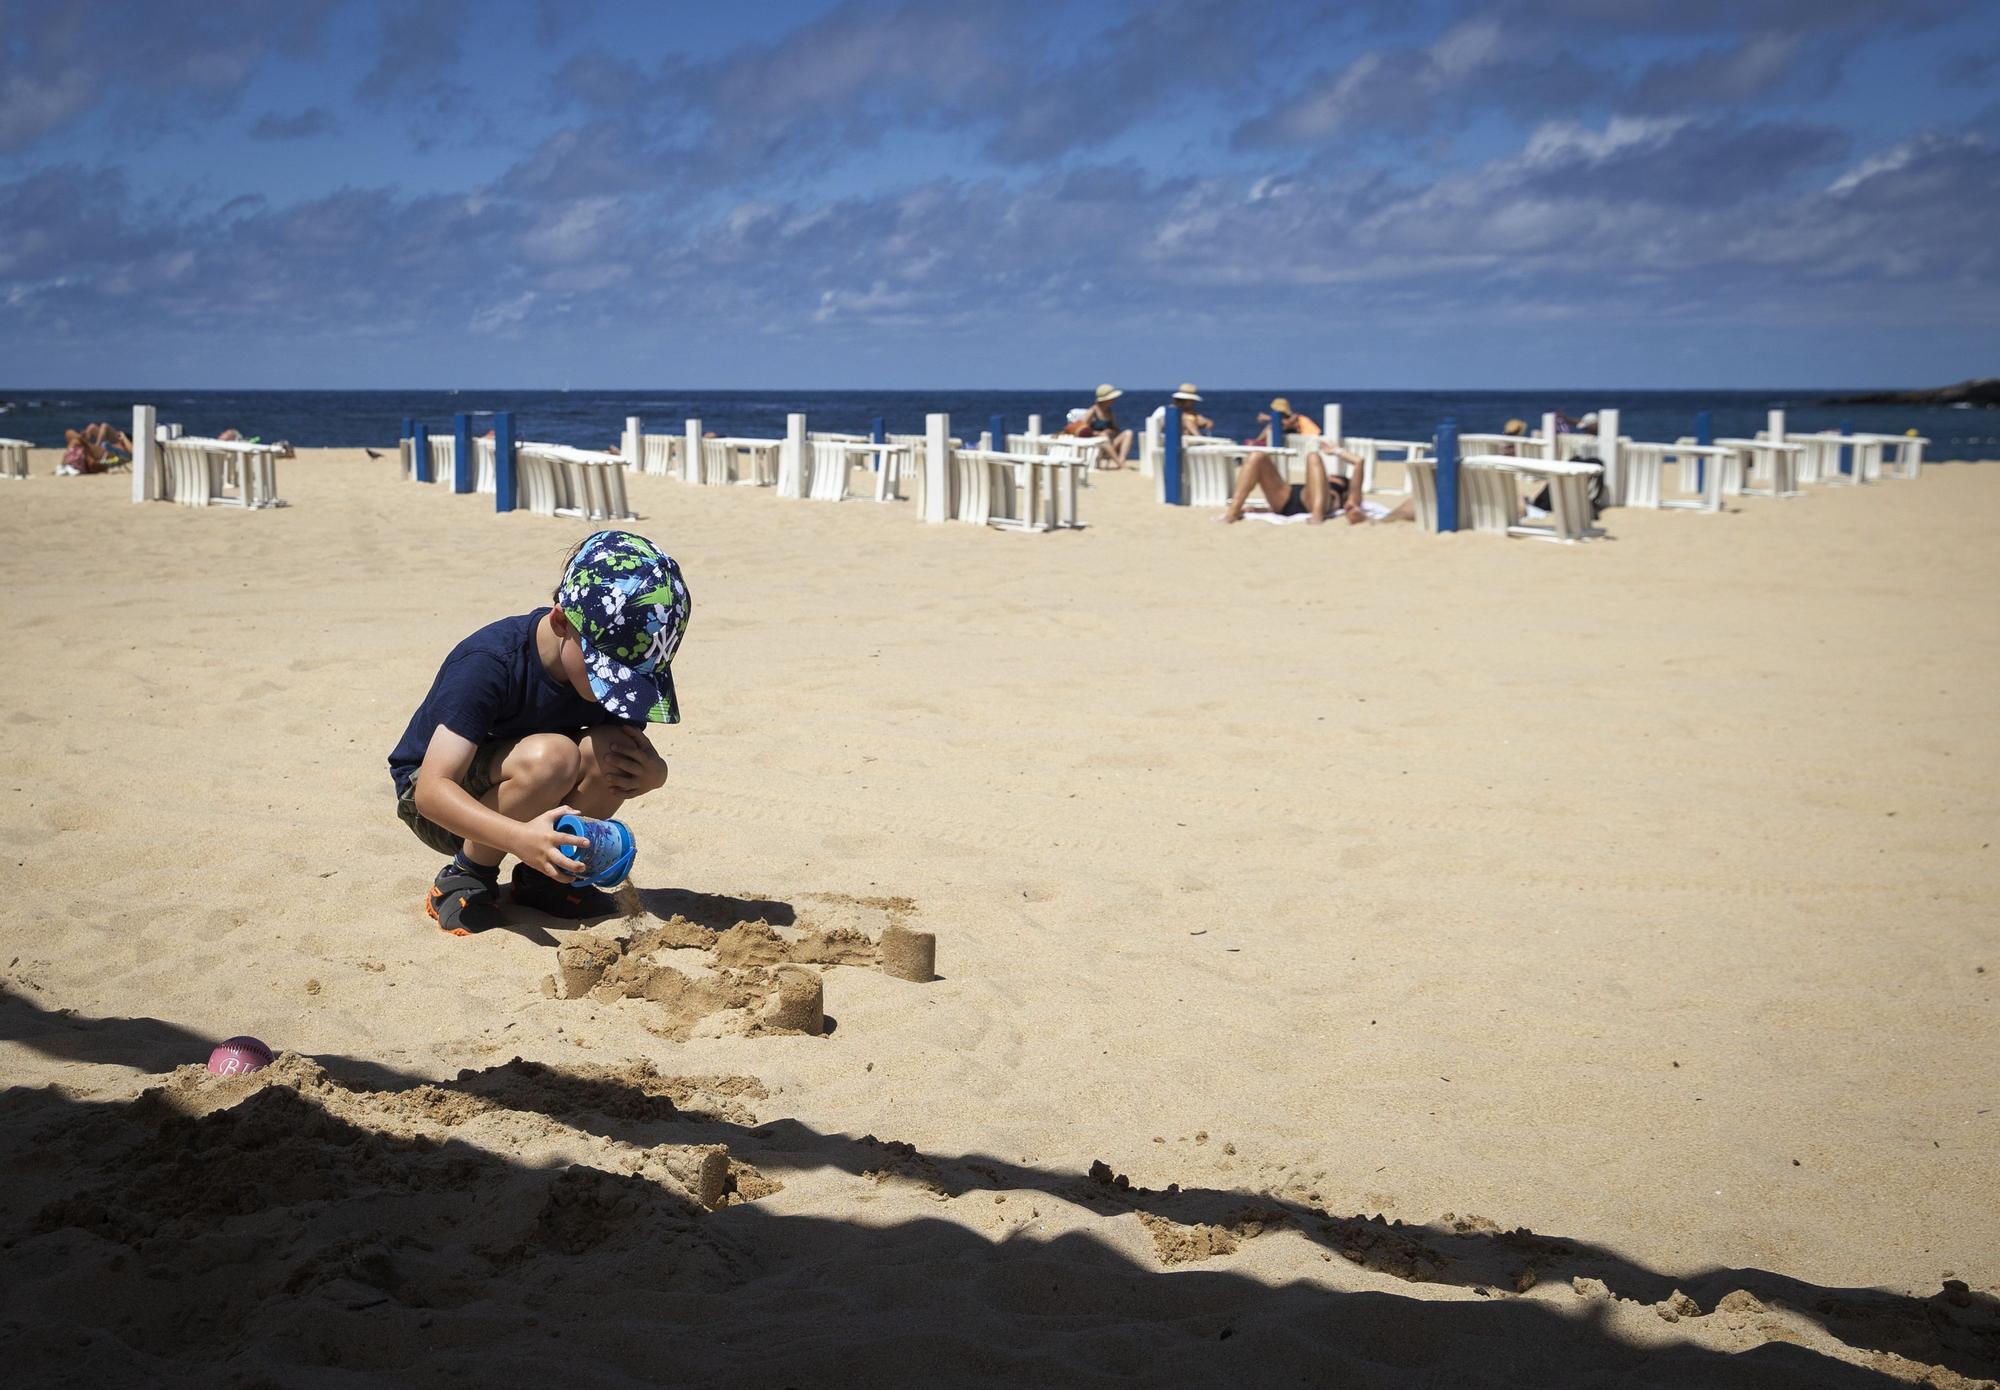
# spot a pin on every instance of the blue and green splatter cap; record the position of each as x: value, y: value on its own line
x: 628, y: 603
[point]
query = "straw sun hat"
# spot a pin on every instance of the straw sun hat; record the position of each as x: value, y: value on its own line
x: 1188, y: 393
x: 1108, y: 392
x: 1516, y: 427
x: 1281, y: 404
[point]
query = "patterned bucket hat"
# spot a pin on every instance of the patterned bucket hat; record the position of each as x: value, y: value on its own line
x: 629, y: 606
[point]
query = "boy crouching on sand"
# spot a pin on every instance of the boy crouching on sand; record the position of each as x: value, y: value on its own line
x: 539, y: 715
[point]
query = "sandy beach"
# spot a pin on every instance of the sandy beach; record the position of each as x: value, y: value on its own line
x: 1364, y: 958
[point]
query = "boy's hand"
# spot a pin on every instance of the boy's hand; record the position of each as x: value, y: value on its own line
x: 632, y: 766
x: 542, y: 847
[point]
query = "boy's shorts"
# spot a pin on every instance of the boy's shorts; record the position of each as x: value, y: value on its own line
x: 480, y: 778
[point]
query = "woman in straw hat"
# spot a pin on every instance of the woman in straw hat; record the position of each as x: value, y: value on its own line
x: 1188, y: 401
x: 1101, y: 423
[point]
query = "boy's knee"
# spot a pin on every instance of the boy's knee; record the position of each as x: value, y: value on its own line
x: 548, y: 761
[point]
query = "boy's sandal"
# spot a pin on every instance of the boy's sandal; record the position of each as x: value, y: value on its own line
x: 573, y: 901
x: 463, y: 904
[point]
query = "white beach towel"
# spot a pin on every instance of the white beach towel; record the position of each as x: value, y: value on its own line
x: 1373, y: 511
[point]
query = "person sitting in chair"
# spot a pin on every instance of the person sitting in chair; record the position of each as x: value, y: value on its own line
x: 1188, y: 402
x: 1101, y: 423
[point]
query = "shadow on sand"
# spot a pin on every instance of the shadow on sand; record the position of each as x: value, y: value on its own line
x: 142, y: 1245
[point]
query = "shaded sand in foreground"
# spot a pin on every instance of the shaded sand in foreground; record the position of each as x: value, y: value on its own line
x: 1617, y: 920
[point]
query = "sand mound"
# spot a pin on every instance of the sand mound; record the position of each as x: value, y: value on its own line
x: 744, y: 978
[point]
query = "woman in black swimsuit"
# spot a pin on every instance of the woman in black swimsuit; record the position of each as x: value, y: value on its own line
x: 1316, y: 497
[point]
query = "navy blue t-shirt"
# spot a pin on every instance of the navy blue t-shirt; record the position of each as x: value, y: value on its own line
x: 493, y: 686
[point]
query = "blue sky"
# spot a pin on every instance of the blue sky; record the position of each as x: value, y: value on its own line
x: 909, y: 193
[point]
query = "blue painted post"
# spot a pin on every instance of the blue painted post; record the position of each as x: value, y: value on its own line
x: 409, y: 427
x: 1846, y: 451
x: 998, y: 425
x: 1170, y: 460
x: 420, y: 451
x: 1447, y: 474
x: 503, y: 461
x: 461, y: 426
x: 1704, y: 434
x: 878, y: 433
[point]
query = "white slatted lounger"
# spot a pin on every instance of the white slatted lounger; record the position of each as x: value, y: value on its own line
x: 557, y: 480
x: 757, y: 466
x: 897, y: 466
x: 1420, y: 476
x: 1208, y: 471
x: 1489, y: 495
x: 444, y: 459
x: 1569, y: 498
x: 830, y: 461
x: 1819, y: 457
x: 660, y: 454
x: 485, y: 477
x: 1016, y: 492
x: 200, y: 473
x: 718, y: 462
x: 189, y: 482
x: 1766, y: 469
x: 1873, y: 453
x: 596, y: 484
x: 14, y: 458
x: 257, y: 475
x: 1645, y: 475
x: 1371, y: 451
x: 1902, y: 455
x: 535, y: 480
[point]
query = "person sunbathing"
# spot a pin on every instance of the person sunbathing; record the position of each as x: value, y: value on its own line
x: 1320, y: 493
x: 107, y: 436
x: 80, y: 454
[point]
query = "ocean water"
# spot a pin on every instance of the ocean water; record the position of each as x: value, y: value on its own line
x: 594, y: 419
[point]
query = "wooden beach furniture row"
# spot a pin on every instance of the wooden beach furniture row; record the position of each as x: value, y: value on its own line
x: 1031, y: 484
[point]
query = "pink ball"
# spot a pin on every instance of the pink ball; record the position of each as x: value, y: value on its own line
x: 236, y: 1056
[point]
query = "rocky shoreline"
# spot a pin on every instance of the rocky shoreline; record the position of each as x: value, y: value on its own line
x: 1983, y: 392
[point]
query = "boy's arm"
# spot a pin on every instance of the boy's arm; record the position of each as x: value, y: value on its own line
x: 632, y: 766
x: 441, y: 795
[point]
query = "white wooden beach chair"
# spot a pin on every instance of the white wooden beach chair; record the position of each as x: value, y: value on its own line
x: 1569, y: 496
x: 830, y: 460
x: 1016, y: 492
x: 596, y: 484
x: 758, y: 461
x: 1373, y: 454
x: 485, y: 476
x: 1767, y: 467
x: 444, y: 458
x: 1819, y: 457
x: 193, y: 473
x: 1698, y: 488
x: 14, y: 458
x: 1420, y: 475
x: 660, y: 454
x: 539, y: 480
x: 1902, y: 455
x: 1489, y: 493
x: 255, y: 473
x: 1208, y: 471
